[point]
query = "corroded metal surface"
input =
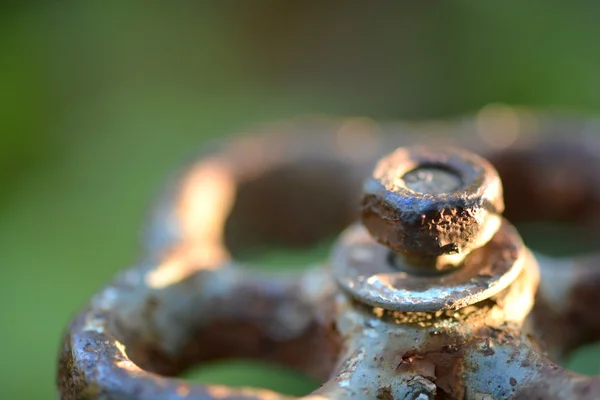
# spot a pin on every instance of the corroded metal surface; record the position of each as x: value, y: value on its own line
x: 190, y: 301
x: 419, y: 355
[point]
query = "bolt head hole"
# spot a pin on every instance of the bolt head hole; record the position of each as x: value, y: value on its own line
x: 433, y: 179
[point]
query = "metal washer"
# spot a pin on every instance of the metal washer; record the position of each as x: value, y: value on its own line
x: 362, y: 268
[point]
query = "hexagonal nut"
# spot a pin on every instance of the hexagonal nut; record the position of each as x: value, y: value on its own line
x: 429, y: 202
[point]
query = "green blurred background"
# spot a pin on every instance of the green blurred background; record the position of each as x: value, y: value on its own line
x: 100, y: 100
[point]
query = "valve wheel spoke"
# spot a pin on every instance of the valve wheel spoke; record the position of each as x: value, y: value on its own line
x: 368, y: 371
x: 509, y: 370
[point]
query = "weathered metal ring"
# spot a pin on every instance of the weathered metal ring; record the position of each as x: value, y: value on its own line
x: 363, y: 268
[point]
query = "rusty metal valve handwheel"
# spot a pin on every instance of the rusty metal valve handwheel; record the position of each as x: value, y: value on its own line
x: 432, y: 296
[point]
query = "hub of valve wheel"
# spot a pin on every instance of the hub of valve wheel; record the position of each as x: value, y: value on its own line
x: 432, y: 234
x: 439, y: 283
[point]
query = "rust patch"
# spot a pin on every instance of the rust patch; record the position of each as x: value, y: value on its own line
x: 486, y: 348
x: 385, y: 393
x: 442, y: 366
